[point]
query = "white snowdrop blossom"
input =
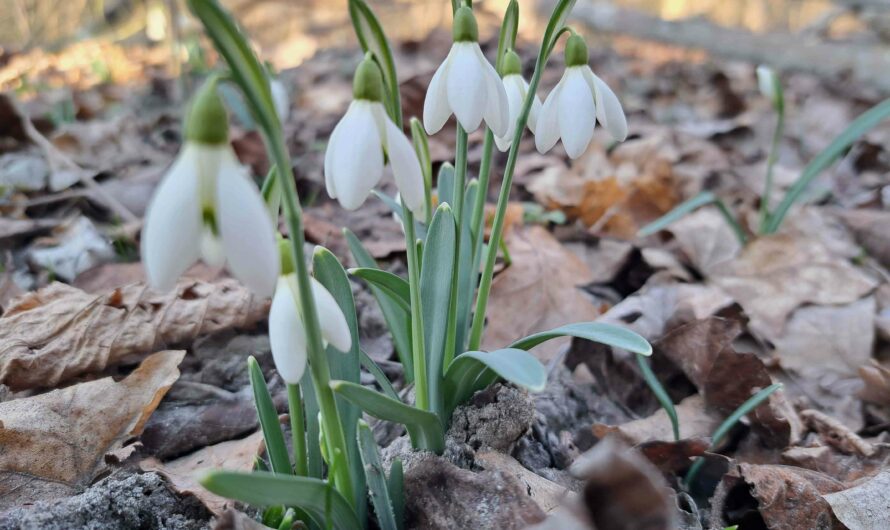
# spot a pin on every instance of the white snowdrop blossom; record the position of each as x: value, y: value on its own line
x: 466, y: 84
x: 353, y: 162
x: 768, y: 84
x: 516, y: 88
x: 287, y: 332
x: 578, y: 101
x: 206, y: 206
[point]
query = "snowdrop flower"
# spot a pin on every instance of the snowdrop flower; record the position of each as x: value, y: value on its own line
x: 466, y: 84
x: 206, y: 206
x: 287, y: 333
x: 353, y: 163
x: 572, y: 109
x: 769, y: 86
x: 280, y: 99
x: 516, y: 88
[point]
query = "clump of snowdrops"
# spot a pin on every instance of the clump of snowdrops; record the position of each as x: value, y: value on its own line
x: 207, y: 207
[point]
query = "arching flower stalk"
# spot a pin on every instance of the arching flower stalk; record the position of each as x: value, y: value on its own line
x: 578, y: 101
x: 207, y: 207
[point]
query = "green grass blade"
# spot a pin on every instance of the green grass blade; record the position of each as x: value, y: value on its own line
x: 396, y: 486
x: 607, y: 334
x: 660, y: 394
x: 393, y: 286
x: 376, y: 478
x: 861, y: 125
x: 267, y: 489
x: 681, y: 210
x: 265, y: 408
x: 379, y: 376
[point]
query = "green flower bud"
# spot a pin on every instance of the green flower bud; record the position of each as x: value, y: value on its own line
x: 511, y: 65
x: 207, y: 121
x: 576, y: 51
x: 368, y: 81
x: 465, y: 28
x: 285, y: 254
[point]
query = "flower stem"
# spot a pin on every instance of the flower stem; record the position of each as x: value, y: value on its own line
x: 298, y: 429
x: 421, y: 397
x: 770, y: 163
x: 497, y: 229
x: 458, y: 196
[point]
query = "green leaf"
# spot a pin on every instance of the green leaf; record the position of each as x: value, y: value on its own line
x: 396, y: 318
x: 313, y: 430
x: 474, y: 370
x: 265, y: 408
x: 435, y: 295
x: 466, y: 280
x: 376, y: 478
x: 344, y: 365
x: 396, y: 486
x: 554, y: 26
x: 607, y: 334
x: 681, y: 210
x: 445, y: 184
x: 861, y: 125
x: 507, y: 35
x: 372, y: 39
x: 660, y: 394
x: 379, y: 376
x: 260, y: 488
x: 423, y: 427
x: 393, y: 286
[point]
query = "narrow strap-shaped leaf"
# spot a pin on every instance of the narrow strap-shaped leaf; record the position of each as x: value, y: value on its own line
x: 507, y: 35
x: 393, y: 286
x: 372, y: 39
x: 372, y: 367
x: 423, y: 427
x: 313, y: 430
x: 396, y: 486
x: 660, y: 394
x: 265, y: 408
x: 422, y: 149
x: 467, y: 374
x: 445, y: 183
x: 435, y: 295
x: 607, y: 334
x: 396, y: 318
x: 260, y: 488
x: 861, y: 125
x: 466, y: 279
x: 678, y: 212
x: 375, y: 478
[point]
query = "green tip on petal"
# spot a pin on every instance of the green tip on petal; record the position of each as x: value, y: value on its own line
x: 465, y: 28
x: 576, y: 51
x: 207, y: 121
x: 286, y: 256
x: 368, y: 81
x: 512, y: 64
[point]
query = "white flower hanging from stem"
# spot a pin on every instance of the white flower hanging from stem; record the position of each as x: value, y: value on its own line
x: 516, y: 88
x: 578, y: 101
x: 353, y: 163
x: 206, y: 206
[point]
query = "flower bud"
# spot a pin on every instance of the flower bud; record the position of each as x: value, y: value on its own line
x: 207, y: 121
x: 768, y: 83
x: 512, y: 64
x: 367, y: 83
x: 465, y: 28
x: 576, y: 51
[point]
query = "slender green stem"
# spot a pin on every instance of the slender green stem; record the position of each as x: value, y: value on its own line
x: 770, y: 163
x: 318, y: 359
x: 497, y: 229
x: 460, y: 186
x: 476, y: 228
x: 298, y: 429
x: 731, y: 221
x: 421, y: 396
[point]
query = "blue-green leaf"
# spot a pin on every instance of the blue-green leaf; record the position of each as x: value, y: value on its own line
x: 607, y: 334
x: 678, y: 212
x: 445, y: 184
x: 474, y: 370
x: 660, y: 394
x: 396, y: 485
x: 260, y: 488
x: 393, y: 286
x: 265, y: 408
x: 376, y: 478
x: 372, y: 367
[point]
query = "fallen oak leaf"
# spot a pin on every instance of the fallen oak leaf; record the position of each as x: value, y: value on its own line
x: 865, y: 506
x: 55, y: 443
x: 695, y: 420
x: 59, y: 332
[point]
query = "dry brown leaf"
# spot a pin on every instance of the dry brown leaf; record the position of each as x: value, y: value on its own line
x: 870, y: 229
x: 774, y: 275
x: 55, y: 443
x: 706, y: 239
x: 539, y: 291
x: 790, y: 498
x: 695, y: 422
x: 865, y: 506
x: 877, y: 383
x: 59, y: 332
x: 547, y: 494
x: 110, y: 275
x: 236, y: 455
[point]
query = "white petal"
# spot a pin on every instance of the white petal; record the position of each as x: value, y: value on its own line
x: 466, y: 86
x: 172, y: 230
x: 503, y: 143
x: 514, y: 94
x: 435, y: 105
x: 246, y: 229
x: 212, y: 251
x: 405, y: 166
x: 608, y: 108
x: 280, y: 99
x: 497, y: 109
x: 577, y: 113
x: 535, y: 110
x: 334, y: 328
x: 547, y: 128
x: 329, y: 154
x: 357, y: 160
x: 287, y: 334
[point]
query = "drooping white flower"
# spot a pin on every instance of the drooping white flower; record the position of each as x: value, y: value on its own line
x: 517, y: 89
x: 206, y: 206
x: 287, y: 332
x: 578, y: 101
x: 280, y: 99
x: 353, y: 162
x: 769, y: 85
x: 466, y: 84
